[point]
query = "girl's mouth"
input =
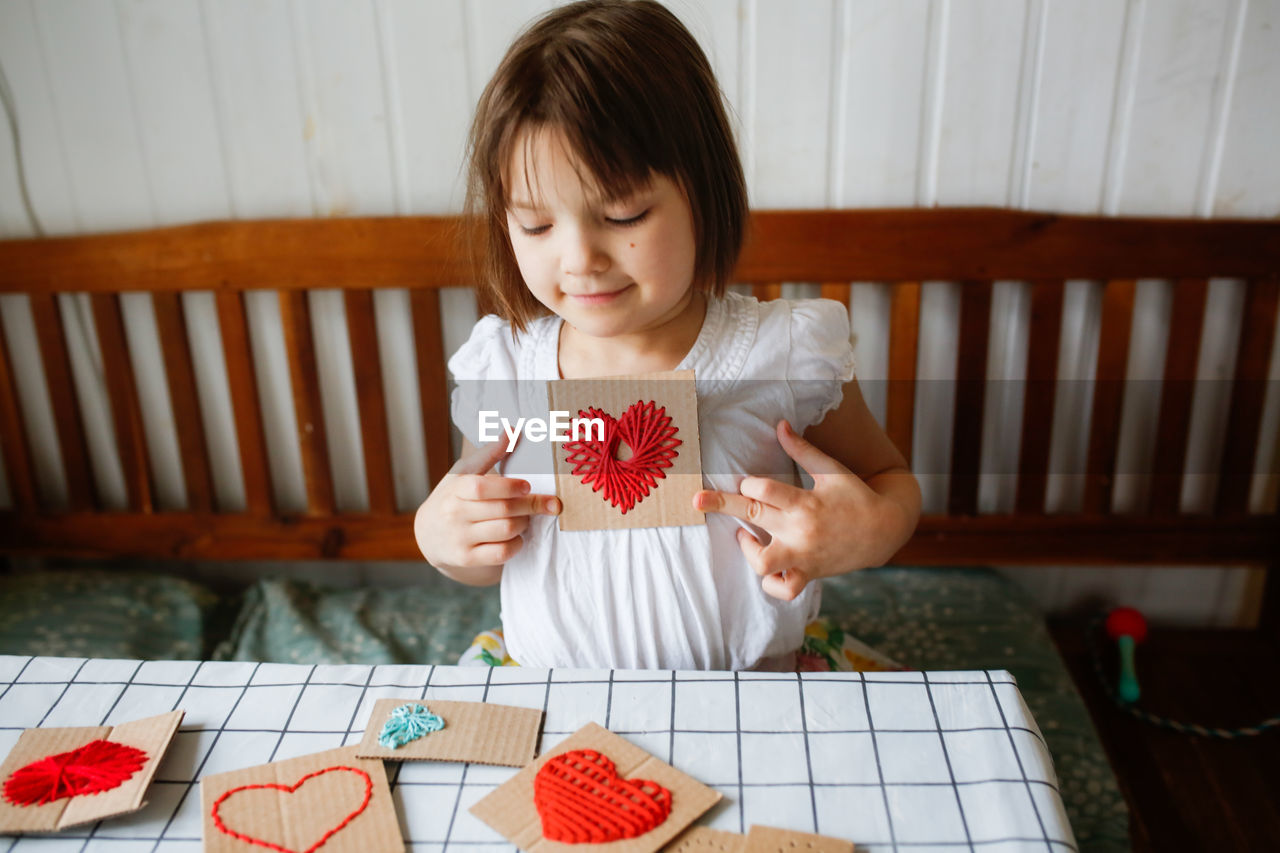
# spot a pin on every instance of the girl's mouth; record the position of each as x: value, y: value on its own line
x: 598, y: 298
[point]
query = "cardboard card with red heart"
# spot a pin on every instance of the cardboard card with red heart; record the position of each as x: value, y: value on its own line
x: 329, y: 800
x: 59, y: 777
x: 595, y: 791
x: 646, y: 467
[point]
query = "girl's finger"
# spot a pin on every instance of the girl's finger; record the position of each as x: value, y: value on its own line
x: 764, y: 559
x: 525, y: 505
x: 496, y: 553
x: 738, y: 506
x: 807, y: 455
x: 785, y: 585
x: 498, y: 529
x: 481, y: 459
x: 491, y: 487
x: 771, y: 492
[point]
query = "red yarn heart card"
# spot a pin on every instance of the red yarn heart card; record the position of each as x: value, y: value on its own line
x: 641, y: 465
x: 54, y: 778
x: 596, y: 791
x: 351, y: 784
x: 580, y: 798
x: 97, y: 766
x: 630, y: 455
x: 330, y: 802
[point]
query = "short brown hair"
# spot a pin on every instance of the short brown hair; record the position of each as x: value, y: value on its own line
x: 634, y: 95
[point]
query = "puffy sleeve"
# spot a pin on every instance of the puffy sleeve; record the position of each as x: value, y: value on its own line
x: 485, y: 357
x: 820, y: 358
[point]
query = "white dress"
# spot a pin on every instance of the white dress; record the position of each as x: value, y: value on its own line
x: 663, y: 597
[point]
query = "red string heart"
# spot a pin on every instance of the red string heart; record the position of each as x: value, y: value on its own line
x: 581, y: 799
x: 97, y: 766
x: 289, y: 789
x: 647, y: 429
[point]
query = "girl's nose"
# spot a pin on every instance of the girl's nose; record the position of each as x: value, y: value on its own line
x: 582, y: 254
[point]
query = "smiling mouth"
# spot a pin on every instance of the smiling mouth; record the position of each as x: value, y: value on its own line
x: 598, y: 298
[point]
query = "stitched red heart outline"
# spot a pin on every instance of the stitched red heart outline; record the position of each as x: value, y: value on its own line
x: 97, y: 766
x: 581, y: 799
x: 647, y: 429
x: 289, y: 789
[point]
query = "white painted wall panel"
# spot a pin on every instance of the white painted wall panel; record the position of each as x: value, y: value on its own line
x: 880, y: 105
x: 1179, y: 58
x: 788, y: 111
x: 176, y: 119
x: 1074, y: 104
x: 1249, y: 181
x: 979, y: 98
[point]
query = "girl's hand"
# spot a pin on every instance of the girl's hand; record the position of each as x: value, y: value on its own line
x: 471, y: 522
x: 839, y: 525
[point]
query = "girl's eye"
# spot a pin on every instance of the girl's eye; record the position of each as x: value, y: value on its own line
x: 536, y: 230
x: 634, y: 220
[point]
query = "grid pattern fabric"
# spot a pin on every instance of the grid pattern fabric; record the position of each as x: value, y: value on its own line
x: 918, y: 761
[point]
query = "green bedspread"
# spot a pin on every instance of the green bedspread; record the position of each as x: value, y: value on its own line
x: 932, y: 619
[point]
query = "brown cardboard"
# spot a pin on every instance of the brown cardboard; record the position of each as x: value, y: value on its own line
x: 510, y: 809
x: 152, y: 735
x: 321, y: 799
x: 670, y: 502
x: 700, y: 839
x: 473, y: 731
x: 769, y: 839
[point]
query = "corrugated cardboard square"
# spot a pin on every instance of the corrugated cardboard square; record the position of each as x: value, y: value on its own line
x: 670, y: 502
x: 511, y: 811
x: 701, y: 839
x: 770, y: 839
x: 151, y: 735
x: 473, y: 731
x: 323, y: 801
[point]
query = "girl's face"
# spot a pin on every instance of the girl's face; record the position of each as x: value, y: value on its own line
x: 608, y: 268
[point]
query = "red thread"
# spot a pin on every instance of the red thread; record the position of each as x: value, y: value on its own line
x: 97, y: 766
x: 289, y: 789
x: 581, y: 799
x: 647, y: 429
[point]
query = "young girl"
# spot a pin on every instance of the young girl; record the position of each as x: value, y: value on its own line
x: 606, y: 175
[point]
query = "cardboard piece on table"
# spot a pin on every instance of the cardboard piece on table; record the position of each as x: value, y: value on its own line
x: 478, y: 732
x: 701, y: 839
x: 670, y: 502
x: 331, y: 799
x: 151, y: 735
x: 770, y: 839
x: 511, y: 811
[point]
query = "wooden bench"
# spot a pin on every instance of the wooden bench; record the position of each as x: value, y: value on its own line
x: 905, y: 248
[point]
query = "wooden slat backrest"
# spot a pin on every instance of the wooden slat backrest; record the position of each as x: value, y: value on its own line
x: 81, y: 489
x: 432, y: 389
x: 1247, y: 392
x: 901, y: 248
x: 1038, y: 402
x: 122, y: 391
x: 295, y: 317
x: 1108, y: 390
x: 243, y: 384
x: 375, y: 438
x: 1183, y: 352
x: 904, y: 337
x: 186, y: 405
x: 13, y: 436
x: 970, y: 395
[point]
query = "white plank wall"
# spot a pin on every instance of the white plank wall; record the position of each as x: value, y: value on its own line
x: 137, y: 113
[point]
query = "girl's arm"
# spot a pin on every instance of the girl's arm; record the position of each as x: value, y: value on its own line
x: 863, y: 506
x: 851, y: 436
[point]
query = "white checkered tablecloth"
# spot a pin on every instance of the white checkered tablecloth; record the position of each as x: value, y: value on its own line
x: 918, y: 761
